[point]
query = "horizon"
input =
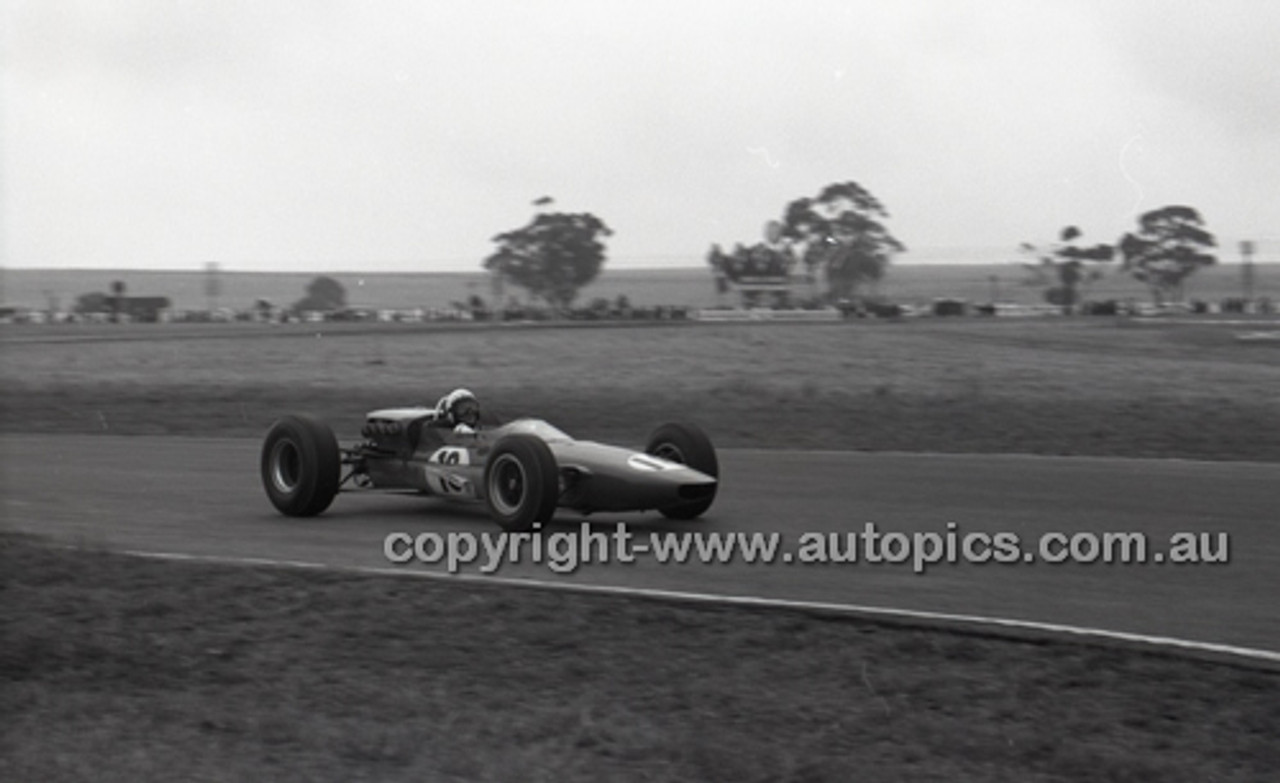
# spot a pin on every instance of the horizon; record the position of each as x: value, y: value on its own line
x: 58, y: 289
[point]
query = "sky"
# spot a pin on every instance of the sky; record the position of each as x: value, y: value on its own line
x: 400, y: 135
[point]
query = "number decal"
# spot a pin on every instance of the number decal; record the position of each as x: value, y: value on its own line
x: 441, y: 471
x: 450, y: 455
x: 454, y: 485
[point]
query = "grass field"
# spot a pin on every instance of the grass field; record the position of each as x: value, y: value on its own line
x: 1056, y: 386
x: 115, y: 668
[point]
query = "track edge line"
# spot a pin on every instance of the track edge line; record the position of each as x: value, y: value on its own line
x: 974, y: 624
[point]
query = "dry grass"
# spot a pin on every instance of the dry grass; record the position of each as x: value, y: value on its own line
x: 1059, y: 386
x: 115, y: 668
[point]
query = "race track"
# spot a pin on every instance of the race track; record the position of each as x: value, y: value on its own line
x: 202, y: 496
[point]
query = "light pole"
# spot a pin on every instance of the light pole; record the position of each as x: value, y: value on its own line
x: 212, y: 285
x: 1246, y: 271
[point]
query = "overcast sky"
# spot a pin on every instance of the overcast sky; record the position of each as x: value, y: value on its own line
x: 402, y: 135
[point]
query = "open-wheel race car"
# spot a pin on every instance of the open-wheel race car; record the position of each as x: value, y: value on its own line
x: 522, y: 470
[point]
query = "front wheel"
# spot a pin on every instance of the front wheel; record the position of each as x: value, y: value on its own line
x: 521, y: 483
x: 301, y: 466
x: 690, y: 446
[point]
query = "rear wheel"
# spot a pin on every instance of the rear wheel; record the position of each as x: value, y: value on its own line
x: 688, y: 445
x: 521, y: 483
x: 301, y: 466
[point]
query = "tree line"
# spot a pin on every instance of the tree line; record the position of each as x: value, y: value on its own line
x: 840, y: 236
x: 1168, y: 247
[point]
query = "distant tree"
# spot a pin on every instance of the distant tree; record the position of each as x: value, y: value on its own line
x: 1063, y: 267
x: 1168, y: 247
x: 323, y: 293
x: 553, y: 256
x: 842, y: 235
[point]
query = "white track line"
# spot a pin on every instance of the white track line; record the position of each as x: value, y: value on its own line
x: 851, y: 610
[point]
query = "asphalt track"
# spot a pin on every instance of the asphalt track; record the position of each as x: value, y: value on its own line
x: 202, y: 497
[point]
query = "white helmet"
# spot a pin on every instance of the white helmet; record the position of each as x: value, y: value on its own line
x: 459, y: 406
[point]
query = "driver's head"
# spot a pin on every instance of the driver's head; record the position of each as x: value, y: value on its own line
x: 459, y: 407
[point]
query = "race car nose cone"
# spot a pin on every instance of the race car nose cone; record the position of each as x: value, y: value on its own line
x: 704, y: 489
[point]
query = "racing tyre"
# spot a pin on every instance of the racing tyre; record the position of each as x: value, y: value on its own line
x: 301, y: 466
x: 688, y: 445
x: 521, y: 482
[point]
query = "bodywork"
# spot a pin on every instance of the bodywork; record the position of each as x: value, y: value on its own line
x: 405, y: 449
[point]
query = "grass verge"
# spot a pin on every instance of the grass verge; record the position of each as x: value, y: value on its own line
x: 117, y: 668
x: 1087, y: 386
x: 737, y: 415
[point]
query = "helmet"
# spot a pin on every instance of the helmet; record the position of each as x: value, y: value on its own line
x: 459, y: 406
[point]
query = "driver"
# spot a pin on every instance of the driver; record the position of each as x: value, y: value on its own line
x: 458, y: 409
